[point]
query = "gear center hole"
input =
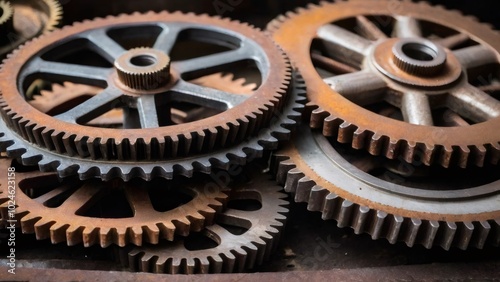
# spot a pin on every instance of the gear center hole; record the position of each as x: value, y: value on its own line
x: 419, y: 52
x: 143, y: 60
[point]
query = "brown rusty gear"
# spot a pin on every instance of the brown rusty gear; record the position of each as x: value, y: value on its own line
x: 413, y: 203
x: 62, y: 210
x: 232, y: 253
x: 6, y: 20
x: 30, y: 18
x: 244, y: 118
x: 352, y: 41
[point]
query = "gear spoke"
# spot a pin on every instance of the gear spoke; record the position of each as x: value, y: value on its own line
x: 407, y: 27
x: 331, y: 64
x: 93, y: 107
x: 361, y: 87
x: 345, y: 39
x: 370, y: 28
x: 210, y: 61
x: 167, y: 39
x: 105, y: 45
x: 454, y: 119
x: 416, y: 109
x: 53, y: 193
x: 139, y: 200
x: 68, y: 72
x: 148, y: 113
x: 208, y: 97
x: 453, y: 41
x: 476, y: 56
x: 474, y: 104
x: 81, y: 198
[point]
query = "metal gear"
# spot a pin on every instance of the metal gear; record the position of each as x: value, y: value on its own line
x: 98, y: 212
x: 406, y: 202
x: 6, y: 21
x: 232, y: 252
x: 106, y: 151
x: 279, y: 130
x: 29, y: 18
x: 430, y: 65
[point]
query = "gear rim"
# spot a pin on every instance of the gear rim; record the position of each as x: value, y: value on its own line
x: 334, y: 118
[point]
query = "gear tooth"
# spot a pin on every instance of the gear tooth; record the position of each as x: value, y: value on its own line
x: 292, y: 180
x: 58, y: 232
x: 74, y: 235
x: 410, y: 149
x: 414, y: 225
x: 495, y: 232
x: 494, y: 153
x: 282, y: 170
x: 317, y: 118
x: 479, y: 154
x: 428, y: 154
x: 28, y: 223
x: 42, y: 228
x: 446, y: 235
x: 346, y: 133
x: 330, y: 207
x: 15, y: 150
x: 431, y: 229
x: 360, y: 217
x: 463, y: 155
x: 31, y: 157
x: 464, y: 235
x: 395, y: 225
x: 303, y: 190
x: 446, y: 156
x: 107, y: 235
x: 134, y: 234
x: 345, y: 213
x: 378, y: 224
x: 317, y: 198
x: 90, y: 236
x: 359, y: 138
x: 483, y: 229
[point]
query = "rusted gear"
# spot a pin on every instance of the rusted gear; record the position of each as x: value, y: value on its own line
x: 6, y: 21
x: 398, y: 201
x: 419, y: 60
x: 30, y: 18
x: 279, y: 130
x: 97, y: 212
x: 232, y: 253
x: 146, y: 138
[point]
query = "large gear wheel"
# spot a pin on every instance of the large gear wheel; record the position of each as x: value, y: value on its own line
x: 28, y: 19
x: 97, y: 212
x: 398, y: 78
x: 231, y: 252
x: 413, y: 203
x: 146, y: 148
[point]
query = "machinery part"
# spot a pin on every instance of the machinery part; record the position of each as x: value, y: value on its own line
x: 97, y: 212
x: 279, y: 130
x: 29, y: 18
x: 227, y: 82
x: 404, y: 202
x: 419, y: 60
x: 232, y: 252
x: 6, y: 21
x: 149, y: 135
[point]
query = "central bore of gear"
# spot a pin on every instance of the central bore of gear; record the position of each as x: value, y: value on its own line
x: 418, y: 56
x: 143, y: 68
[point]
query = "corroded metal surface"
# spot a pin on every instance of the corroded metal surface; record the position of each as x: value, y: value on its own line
x: 365, y: 35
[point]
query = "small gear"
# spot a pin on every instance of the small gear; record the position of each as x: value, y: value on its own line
x: 6, y: 21
x: 388, y: 199
x: 97, y: 212
x: 29, y: 18
x: 232, y: 252
x: 149, y: 135
x: 423, y: 61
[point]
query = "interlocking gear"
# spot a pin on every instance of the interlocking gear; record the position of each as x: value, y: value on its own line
x: 232, y: 253
x: 398, y: 201
x: 28, y: 19
x: 399, y: 78
x: 146, y: 148
x: 96, y: 212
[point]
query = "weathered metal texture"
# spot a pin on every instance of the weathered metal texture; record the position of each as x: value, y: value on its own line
x: 365, y: 35
x: 232, y: 252
x: 242, y: 115
x: 58, y: 209
x: 433, y: 272
x: 435, y: 210
x: 29, y: 18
